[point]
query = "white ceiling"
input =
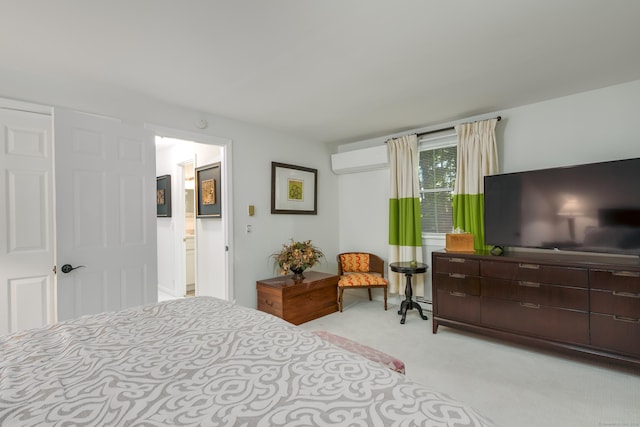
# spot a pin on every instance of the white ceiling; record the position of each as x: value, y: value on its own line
x: 332, y: 70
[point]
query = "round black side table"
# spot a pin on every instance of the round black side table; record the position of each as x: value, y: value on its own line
x: 409, y: 269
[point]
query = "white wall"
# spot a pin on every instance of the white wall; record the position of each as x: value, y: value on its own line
x: 253, y: 148
x: 210, y: 239
x: 252, y: 186
x: 364, y: 212
x: 588, y: 127
x: 593, y: 126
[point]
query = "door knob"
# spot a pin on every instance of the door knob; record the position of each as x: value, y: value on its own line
x: 67, y: 268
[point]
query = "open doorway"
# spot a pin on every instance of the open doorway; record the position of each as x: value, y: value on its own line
x: 193, y: 256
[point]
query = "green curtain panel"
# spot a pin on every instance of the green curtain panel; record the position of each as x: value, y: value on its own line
x: 405, y: 227
x: 468, y: 215
x: 404, y: 222
x: 477, y: 158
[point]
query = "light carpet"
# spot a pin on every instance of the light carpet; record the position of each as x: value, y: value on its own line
x: 512, y: 385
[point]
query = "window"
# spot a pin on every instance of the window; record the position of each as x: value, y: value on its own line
x: 437, y: 174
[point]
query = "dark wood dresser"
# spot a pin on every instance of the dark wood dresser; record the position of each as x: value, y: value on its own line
x: 586, y: 304
x: 315, y: 296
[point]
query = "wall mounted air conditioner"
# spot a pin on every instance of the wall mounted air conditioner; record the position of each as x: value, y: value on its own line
x: 365, y: 159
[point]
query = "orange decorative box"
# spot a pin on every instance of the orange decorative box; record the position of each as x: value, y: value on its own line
x: 459, y: 242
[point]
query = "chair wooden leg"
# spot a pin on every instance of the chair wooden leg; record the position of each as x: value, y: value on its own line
x: 385, y: 299
x: 340, y: 299
x: 369, y: 289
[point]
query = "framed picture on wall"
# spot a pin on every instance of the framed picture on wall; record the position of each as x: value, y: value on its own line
x: 208, y: 191
x: 163, y: 195
x: 294, y: 189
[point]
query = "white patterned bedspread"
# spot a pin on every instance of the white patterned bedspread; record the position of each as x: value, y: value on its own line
x: 203, y: 361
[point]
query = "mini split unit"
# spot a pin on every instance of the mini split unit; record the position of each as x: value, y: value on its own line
x: 365, y: 159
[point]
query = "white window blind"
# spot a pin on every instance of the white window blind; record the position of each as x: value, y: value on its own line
x: 437, y: 173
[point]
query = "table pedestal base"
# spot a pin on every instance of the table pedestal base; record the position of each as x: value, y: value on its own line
x: 408, y: 303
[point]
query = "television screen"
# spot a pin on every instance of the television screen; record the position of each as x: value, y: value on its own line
x: 592, y: 208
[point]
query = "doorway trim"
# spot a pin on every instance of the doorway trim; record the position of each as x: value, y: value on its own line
x: 227, y: 189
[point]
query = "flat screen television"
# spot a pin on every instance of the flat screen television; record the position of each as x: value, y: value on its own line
x: 590, y: 208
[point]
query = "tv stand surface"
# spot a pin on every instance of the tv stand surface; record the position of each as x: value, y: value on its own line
x: 579, y: 304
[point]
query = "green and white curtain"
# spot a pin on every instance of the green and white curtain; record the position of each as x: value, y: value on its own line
x: 405, y: 229
x: 477, y: 158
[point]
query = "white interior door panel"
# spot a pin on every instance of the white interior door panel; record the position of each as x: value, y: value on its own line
x: 26, y: 221
x: 106, y: 214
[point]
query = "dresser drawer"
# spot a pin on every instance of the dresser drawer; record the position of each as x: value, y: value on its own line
x: 537, y: 273
x: 620, y: 281
x: 453, y: 264
x: 536, y: 293
x: 458, y: 282
x: 616, y: 303
x: 535, y: 320
x: 458, y: 306
x: 616, y: 333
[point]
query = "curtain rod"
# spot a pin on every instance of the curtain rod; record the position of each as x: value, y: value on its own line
x: 447, y: 128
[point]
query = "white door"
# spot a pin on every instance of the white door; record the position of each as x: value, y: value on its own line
x: 105, y: 214
x: 26, y: 221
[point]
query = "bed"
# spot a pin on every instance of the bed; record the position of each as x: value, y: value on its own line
x: 203, y: 361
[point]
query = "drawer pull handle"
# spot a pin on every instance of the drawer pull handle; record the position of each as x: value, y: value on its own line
x: 529, y: 266
x: 529, y: 284
x: 457, y: 276
x: 626, y: 319
x: 457, y: 294
x: 626, y: 294
x: 529, y: 305
x: 458, y: 260
x: 269, y: 303
x: 626, y: 273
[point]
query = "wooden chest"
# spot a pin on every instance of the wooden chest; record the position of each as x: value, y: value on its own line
x: 315, y: 296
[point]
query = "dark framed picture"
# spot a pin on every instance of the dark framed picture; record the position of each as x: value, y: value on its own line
x: 294, y: 189
x: 208, y: 191
x: 163, y: 195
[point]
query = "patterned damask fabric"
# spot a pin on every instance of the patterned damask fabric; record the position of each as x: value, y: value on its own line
x: 357, y: 263
x: 370, y: 353
x: 361, y: 279
x: 203, y: 362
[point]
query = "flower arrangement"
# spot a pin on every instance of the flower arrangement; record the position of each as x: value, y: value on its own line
x: 297, y: 257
